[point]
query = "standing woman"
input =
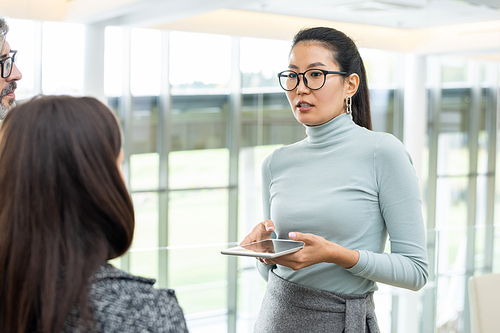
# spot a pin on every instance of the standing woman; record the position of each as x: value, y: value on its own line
x: 64, y: 212
x: 340, y: 191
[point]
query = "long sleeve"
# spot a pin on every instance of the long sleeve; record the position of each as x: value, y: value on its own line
x: 266, y: 207
x: 354, y: 187
x: 399, y: 199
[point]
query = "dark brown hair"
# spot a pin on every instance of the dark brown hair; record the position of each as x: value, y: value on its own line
x: 64, y: 208
x: 346, y: 55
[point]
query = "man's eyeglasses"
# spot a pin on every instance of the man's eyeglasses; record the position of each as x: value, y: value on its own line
x: 7, y: 63
x: 314, y: 79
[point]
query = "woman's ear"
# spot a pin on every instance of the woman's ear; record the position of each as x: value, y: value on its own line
x: 352, y: 84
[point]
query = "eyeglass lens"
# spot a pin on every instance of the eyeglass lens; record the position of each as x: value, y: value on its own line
x: 313, y: 79
x: 7, y: 67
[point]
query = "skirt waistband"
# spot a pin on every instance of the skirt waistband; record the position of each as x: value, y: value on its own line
x: 359, y: 309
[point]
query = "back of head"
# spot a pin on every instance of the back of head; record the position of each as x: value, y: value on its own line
x: 64, y: 209
x: 346, y: 55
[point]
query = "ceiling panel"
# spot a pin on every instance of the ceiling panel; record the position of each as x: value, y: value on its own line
x: 422, y: 26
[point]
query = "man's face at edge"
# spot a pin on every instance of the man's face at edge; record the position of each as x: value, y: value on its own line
x: 8, y: 85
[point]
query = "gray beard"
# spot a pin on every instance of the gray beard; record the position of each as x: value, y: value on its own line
x: 4, y: 109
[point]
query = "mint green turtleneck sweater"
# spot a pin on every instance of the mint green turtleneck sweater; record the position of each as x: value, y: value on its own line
x: 353, y: 187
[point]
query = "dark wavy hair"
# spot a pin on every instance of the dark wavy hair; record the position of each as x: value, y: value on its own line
x: 64, y: 209
x: 346, y: 55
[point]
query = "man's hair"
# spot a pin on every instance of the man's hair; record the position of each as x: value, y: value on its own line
x: 4, y: 29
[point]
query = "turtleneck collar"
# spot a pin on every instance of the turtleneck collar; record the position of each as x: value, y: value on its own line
x: 331, y: 130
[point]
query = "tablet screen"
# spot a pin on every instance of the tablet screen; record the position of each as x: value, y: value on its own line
x: 269, y: 248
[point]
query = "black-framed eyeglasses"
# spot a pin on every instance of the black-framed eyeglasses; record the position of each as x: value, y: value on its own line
x: 7, y: 63
x: 314, y: 79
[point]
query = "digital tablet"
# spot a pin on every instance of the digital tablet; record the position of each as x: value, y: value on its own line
x: 268, y: 249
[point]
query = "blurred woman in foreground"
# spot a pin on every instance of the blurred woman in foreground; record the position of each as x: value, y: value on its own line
x: 65, y: 211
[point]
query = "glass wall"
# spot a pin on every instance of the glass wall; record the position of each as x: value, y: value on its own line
x: 181, y: 141
x: 197, y: 125
x: 62, y: 55
x: 463, y: 113
x: 200, y: 142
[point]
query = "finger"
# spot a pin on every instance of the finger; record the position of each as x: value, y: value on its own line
x: 298, y: 236
x: 260, y: 232
x: 254, y: 236
x: 269, y: 225
x: 268, y: 262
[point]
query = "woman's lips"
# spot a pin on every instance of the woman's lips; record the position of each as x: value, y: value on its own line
x: 304, y: 106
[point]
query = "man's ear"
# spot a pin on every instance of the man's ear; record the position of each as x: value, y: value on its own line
x: 352, y: 84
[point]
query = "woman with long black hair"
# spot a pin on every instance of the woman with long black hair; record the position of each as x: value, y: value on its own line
x: 341, y: 191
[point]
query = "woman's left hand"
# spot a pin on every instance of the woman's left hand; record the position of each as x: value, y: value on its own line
x: 316, y: 249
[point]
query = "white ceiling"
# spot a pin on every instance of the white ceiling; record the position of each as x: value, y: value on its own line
x: 420, y: 26
x: 406, y: 14
x: 469, y: 27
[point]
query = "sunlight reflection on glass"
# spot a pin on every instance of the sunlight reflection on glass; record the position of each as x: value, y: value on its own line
x: 261, y: 60
x: 62, y: 54
x: 21, y: 37
x: 199, y: 61
x: 113, y: 61
x: 145, y: 76
x: 379, y: 65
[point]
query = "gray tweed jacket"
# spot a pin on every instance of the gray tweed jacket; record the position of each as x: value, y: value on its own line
x: 125, y: 303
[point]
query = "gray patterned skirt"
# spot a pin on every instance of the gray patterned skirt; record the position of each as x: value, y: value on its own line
x: 289, y: 307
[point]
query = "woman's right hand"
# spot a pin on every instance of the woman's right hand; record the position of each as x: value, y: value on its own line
x: 261, y: 231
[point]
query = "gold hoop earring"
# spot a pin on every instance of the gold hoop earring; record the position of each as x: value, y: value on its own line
x: 348, y: 103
